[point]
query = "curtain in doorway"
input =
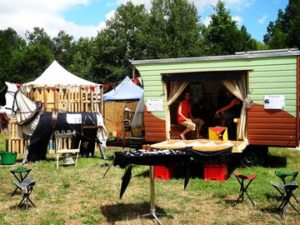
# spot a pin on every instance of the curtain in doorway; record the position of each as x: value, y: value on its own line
x: 239, y: 89
x: 176, y: 89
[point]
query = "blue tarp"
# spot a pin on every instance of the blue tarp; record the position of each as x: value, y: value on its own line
x: 126, y: 90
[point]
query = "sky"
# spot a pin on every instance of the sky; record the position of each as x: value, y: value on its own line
x: 85, y: 18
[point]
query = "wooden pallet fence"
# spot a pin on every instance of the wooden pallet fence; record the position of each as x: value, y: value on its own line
x: 91, y: 100
x: 16, y: 145
x: 68, y: 98
x: 14, y: 130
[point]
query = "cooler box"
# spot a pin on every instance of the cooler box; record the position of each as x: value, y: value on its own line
x: 164, y: 172
x: 215, y: 172
x: 218, y: 133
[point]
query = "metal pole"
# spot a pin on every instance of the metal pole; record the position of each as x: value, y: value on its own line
x: 152, y: 190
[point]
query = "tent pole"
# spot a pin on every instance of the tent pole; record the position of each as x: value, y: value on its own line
x: 101, y: 97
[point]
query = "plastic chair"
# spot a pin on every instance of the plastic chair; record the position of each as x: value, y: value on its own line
x: 244, y: 182
x: 63, y: 143
x: 26, y: 187
x: 286, y: 191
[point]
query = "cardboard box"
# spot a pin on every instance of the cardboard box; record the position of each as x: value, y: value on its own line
x: 218, y: 133
x: 217, y: 172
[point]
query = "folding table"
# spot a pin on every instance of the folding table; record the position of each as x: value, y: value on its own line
x: 156, y: 158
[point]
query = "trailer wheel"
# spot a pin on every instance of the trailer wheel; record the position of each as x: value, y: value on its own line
x: 254, y: 156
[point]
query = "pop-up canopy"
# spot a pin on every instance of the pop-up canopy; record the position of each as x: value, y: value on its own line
x: 126, y: 90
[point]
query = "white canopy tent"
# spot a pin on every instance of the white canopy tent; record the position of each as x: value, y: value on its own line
x: 54, y: 75
x: 59, y: 89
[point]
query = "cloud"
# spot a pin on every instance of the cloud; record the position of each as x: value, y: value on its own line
x: 262, y: 20
x: 237, y: 5
x: 48, y: 14
x: 238, y: 20
x: 110, y: 15
x: 25, y: 15
x: 201, y: 5
x: 207, y: 21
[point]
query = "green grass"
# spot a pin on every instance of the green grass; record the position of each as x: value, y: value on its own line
x: 80, y: 195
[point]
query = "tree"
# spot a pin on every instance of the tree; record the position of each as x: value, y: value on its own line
x: 83, y: 58
x: 223, y: 36
x: 121, y: 41
x: 174, y: 30
x: 38, y: 36
x: 62, y: 47
x: 246, y: 41
x: 276, y: 36
x: 32, y: 63
x: 11, y: 47
x: 285, y: 32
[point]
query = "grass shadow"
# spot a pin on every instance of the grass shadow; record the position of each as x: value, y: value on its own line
x: 143, y: 174
x: 270, y: 209
x: 119, y: 212
x: 231, y: 202
x: 273, y: 161
x: 277, y: 198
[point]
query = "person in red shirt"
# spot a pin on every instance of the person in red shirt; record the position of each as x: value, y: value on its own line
x: 185, y: 117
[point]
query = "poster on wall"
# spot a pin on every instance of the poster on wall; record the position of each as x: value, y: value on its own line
x: 155, y: 105
x: 274, y: 102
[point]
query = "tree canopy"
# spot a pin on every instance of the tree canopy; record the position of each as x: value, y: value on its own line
x: 284, y: 32
x: 222, y: 35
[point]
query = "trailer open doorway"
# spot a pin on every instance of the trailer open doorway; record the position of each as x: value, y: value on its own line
x: 208, y: 91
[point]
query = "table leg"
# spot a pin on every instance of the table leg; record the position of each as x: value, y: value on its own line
x: 152, y: 197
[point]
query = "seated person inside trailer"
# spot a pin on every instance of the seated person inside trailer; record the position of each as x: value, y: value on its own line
x: 185, y: 117
x: 229, y: 112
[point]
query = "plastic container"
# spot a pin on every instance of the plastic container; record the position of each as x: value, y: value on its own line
x: 164, y: 172
x: 217, y: 172
x: 8, y: 158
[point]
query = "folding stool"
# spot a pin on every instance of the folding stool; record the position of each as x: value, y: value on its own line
x: 243, y: 187
x: 284, y: 176
x: 20, y: 174
x: 26, y: 187
x: 286, y: 191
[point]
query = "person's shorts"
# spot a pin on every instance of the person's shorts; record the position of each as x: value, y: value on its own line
x: 189, y: 124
